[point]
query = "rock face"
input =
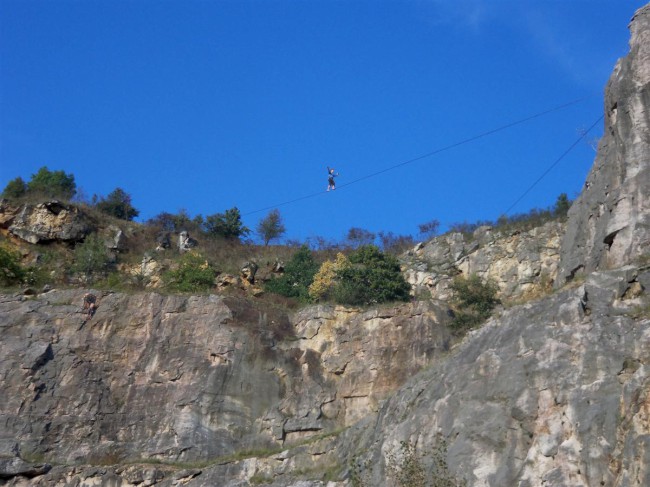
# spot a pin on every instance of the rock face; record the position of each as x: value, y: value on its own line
x: 609, y: 224
x: 46, y: 222
x: 520, y: 263
x: 191, y: 378
x: 554, y: 392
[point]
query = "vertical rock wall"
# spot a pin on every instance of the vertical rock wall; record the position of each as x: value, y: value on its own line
x: 609, y: 224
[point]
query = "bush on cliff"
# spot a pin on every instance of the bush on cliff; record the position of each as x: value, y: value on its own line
x: 91, y: 258
x: 298, y: 276
x: 372, y: 277
x: 11, y: 271
x: 326, y: 278
x: 475, y: 299
x: 193, y: 274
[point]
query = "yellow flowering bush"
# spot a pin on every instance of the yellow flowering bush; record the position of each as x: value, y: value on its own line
x: 324, y: 279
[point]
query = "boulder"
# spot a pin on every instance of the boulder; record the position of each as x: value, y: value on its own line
x: 47, y: 222
x: 185, y: 242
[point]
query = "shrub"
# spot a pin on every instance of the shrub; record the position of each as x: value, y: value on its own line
x: 325, y: 278
x: 373, y: 277
x: 357, y: 237
x: 53, y: 184
x: 194, y: 274
x: 91, y: 258
x: 118, y: 204
x: 429, y: 229
x: 11, y: 271
x: 298, y: 275
x: 475, y: 300
x: 16, y: 188
x: 395, y: 244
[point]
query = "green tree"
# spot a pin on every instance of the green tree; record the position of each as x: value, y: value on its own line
x: 53, y: 184
x: 475, y: 300
x: 118, y: 204
x: 298, y: 275
x: 178, y: 222
x: 373, y: 277
x: 562, y: 205
x: 16, y: 188
x: 227, y: 225
x: 271, y: 227
x: 91, y: 258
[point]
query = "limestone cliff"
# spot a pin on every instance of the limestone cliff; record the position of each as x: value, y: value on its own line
x: 172, y: 378
x: 218, y: 391
x: 609, y: 224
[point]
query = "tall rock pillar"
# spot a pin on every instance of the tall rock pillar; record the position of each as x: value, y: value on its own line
x: 609, y: 223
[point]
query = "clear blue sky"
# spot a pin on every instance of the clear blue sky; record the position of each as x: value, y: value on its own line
x: 206, y: 105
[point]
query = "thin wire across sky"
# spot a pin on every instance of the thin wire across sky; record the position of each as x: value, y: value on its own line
x: 453, y: 146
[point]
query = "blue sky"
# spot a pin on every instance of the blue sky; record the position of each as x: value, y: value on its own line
x: 207, y: 105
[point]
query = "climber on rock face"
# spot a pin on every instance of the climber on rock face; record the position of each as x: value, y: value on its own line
x: 89, y: 305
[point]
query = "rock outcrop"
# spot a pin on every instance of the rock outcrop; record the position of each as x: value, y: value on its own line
x: 45, y: 222
x: 609, y: 224
x: 521, y: 263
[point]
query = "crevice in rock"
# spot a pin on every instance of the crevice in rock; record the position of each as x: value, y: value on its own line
x: 609, y: 239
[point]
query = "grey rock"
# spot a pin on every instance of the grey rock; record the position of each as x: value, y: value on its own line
x: 185, y: 242
x: 163, y: 241
x: 16, y: 466
x: 49, y: 221
x: 609, y: 223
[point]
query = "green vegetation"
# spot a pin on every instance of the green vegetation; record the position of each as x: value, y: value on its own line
x: 118, y: 204
x: 193, y: 274
x: 395, y: 244
x: 373, y: 277
x: 170, y: 222
x: 429, y: 229
x: 45, y: 183
x: 53, y: 184
x: 367, y: 276
x: 91, y: 258
x: 475, y: 299
x: 298, y: 275
x: 271, y: 227
x: 11, y: 270
x: 16, y: 188
x: 358, y: 237
x: 520, y: 221
x: 227, y: 225
x: 326, y: 277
